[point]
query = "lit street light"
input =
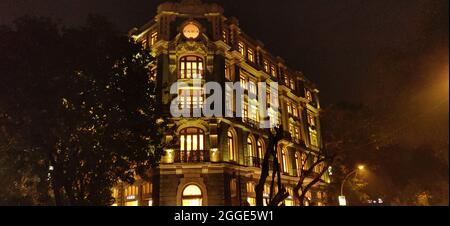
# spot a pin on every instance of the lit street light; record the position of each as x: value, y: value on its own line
x: 342, y: 200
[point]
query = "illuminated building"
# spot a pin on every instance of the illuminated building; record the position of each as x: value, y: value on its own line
x: 218, y: 159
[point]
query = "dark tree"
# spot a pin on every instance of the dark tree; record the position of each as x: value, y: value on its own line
x: 79, y: 107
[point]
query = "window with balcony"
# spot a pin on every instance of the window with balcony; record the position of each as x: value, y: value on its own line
x: 192, y: 196
x: 192, y: 145
x: 190, y: 99
x: 191, y: 67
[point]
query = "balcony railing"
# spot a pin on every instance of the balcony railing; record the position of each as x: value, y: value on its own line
x: 182, y: 156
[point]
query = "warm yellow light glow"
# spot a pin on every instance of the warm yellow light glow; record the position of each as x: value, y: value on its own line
x: 361, y: 167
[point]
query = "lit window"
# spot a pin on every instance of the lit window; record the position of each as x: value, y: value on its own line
x: 250, y: 187
x: 313, y: 137
x: 266, y: 66
x: 243, y: 82
x: 297, y: 134
x: 260, y: 146
x: 311, y: 119
x: 273, y: 71
x: 144, y: 43
x: 147, y: 188
x: 284, y: 160
x: 289, y: 108
x: 192, y: 196
x: 227, y: 73
x: 251, y: 147
x: 294, y: 110
x: 244, y: 111
x: 192, y: 142
x: 153, y: 38
x: 292, y: 84
x: 286, y: 80
x: 229, y: 102
x: 191, y: 67
x: 289, y: 202
x: 250, y: 55
x: 233, y: 187
x: 115, y: 195
x: 131, y: 192
x: 241, y: 48
x: 309, y: 95
x: 252, y: 87
x: 251, y: 201
x: 232, y: 145
x: 190, y: 99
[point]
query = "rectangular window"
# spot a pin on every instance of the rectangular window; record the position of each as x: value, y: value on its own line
x: 313, y: 137
x: 273, y: 71
x: 250, y: 55
x: 227, y: 72
x: 243, y: 82
x: 144, y: 43
x: 244, y: 111
x: 153, y: 38
x: 147, y: 188
x: 252, y: 88
x: 297, y: 134
x: 190, y: 98
x: 289, y: 108
x: 311, y: 119
x: 286, y: 80
x: 241, y: 48
x: 294, y: 110
x: 266, y: 66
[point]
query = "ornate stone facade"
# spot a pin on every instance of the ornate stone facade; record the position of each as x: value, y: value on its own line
x: 221, y: 157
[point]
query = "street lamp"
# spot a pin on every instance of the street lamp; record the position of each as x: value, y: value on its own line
x: 342, y: 201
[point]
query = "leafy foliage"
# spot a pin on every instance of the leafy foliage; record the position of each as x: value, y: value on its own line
x: 79, y: 106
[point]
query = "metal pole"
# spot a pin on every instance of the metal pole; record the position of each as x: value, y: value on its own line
x: 345, y: 179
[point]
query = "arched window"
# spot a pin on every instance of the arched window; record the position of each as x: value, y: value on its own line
x: 252, y: 153
x: 192, y: 144
x: 232, y: 147
x: 191, y: 67
x: 251, y: 146
x: 260, y: 147
x: 284, y: 160
x: 192, y: 196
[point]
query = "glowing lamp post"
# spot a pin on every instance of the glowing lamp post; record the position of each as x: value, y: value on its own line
x: 342, y: 200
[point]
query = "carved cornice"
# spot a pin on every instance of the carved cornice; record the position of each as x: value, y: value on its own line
x: 193, y: 7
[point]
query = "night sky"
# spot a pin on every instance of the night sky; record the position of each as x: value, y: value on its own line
x: 392, y: 54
